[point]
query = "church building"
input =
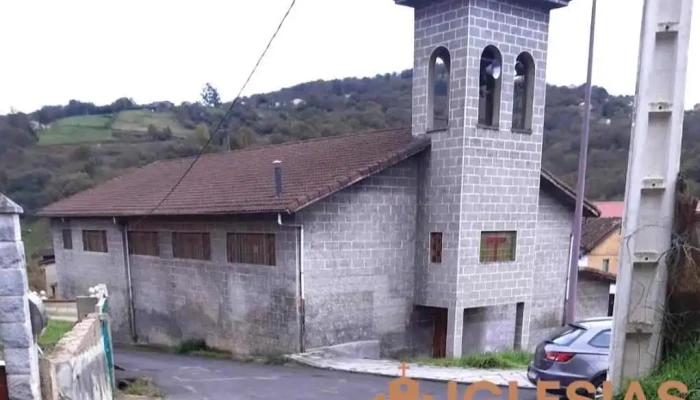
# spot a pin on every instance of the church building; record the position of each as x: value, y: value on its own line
x: 443, y: 238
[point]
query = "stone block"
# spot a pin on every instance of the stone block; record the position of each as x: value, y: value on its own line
x: 19, y: 361
x: 11, y: 255
x: 16, y: 334
x: 9, y: 228
x: 13, y: 309
x: 23, y: 387
x: 13, y: 282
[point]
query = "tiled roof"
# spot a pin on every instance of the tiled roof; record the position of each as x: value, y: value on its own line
x: 595, y: 230
x: 597, y: 274
x: 241, y: 182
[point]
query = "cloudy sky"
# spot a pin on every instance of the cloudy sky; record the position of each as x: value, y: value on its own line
x: 97, y: 51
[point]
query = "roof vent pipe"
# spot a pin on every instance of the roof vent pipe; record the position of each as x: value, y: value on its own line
x: 278, y: 177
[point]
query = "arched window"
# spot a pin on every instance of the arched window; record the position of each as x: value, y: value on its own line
x: 523, y: 92
x: 490, y: 86
x: 438, y: 89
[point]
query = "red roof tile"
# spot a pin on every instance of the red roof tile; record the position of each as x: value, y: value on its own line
x: 610, y: 209
x: 241, y: 182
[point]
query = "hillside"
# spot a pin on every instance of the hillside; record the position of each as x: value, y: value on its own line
x: 59, y: 150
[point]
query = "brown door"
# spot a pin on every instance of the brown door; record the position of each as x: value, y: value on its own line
x: 440, y: 333
x: 3, y: 384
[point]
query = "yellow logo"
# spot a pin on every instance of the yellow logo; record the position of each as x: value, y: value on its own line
x: 403, y: 388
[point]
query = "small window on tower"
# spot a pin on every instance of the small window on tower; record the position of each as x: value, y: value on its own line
x: 497, y: 246
x: 523, y: 92
x: 490, y: 87
x: 438, y: 89
x: 436, y: 247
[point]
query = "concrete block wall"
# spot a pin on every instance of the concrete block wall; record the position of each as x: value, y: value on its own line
x: 238, y: 307
x: 359, y: 258
x: 477, y: 179
x: 244, y: 308
x: 78, y: 270
x: 488, y: 329
x: 550, y: 269
x: 593, y: 296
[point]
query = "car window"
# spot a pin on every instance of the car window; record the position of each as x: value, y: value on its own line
x: 602, y: 339
x: 566, y: 335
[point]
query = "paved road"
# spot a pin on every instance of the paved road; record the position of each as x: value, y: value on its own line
x: 194, y: 378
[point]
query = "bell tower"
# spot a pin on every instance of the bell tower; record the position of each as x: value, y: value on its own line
x: 479, y: 93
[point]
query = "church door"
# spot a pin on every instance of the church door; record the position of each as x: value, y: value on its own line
x: 440, y: 333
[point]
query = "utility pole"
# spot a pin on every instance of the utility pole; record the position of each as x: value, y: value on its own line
x: 652, y: 171
x: 570, y: 312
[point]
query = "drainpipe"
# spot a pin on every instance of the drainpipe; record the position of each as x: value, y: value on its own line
x: 300, y: 280
x: 277, y: 164
x: 129, y: 285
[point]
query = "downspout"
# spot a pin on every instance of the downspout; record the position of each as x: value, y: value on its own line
x: 129, y: 285
x: 301, y: 319
x: 300, y: 280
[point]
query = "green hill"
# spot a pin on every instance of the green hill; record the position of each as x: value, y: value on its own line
x: 83, y: 129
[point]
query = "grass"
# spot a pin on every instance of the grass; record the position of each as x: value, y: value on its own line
x: 138, y: 121
x: 54, y: 331
x: 141, y: 387
x: 495, y: 360
x: 73, y: 130
x: 35, y: 235
x: 682, y: 366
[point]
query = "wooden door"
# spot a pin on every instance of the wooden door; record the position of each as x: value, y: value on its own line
x: 3, y: 384
x: 440, y: 333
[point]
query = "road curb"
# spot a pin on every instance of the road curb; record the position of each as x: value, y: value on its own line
x: 308, y: 363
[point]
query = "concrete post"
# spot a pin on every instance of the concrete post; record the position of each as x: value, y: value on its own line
x: 455, y: 326
x: 21, y: 353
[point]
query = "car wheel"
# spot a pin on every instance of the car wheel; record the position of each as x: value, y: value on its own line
x: 598, y: 385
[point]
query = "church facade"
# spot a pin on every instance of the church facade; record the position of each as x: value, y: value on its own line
x: 442, y: 239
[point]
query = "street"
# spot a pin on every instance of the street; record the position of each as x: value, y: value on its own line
x: 185, y: 377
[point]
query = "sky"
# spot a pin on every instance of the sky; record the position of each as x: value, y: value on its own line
x: 152, y: 50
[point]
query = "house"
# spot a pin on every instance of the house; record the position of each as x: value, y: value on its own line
x: 47, y: 264
x: 600, y: 244
x: 610, y: 209
x: 442, y: 241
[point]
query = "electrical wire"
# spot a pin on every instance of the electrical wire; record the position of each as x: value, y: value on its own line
x: 226, y: 115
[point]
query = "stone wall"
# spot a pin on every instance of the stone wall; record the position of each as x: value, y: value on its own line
x: 76, y: 369
x: 359, y: 259
x: 20, y: 351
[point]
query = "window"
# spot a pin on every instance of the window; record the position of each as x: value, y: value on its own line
x: 95, y: 241
x: 490, y: 87
x: 144, y: 243
x: 523, y: 92
x: 67, y: 239
x: 566, y: 335
x: 191, y: 245
x: 436, y: 247
x: 601, y: 340
x: 497, y: 246
x: 251, y: 248
x: 438, y: 89
x: 606, y: 264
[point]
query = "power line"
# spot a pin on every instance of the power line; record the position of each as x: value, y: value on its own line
x: 226, y: 115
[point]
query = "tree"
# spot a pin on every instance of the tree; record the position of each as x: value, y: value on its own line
x: 210, y: 96
x: 245, y: 137
x: 201, y: 135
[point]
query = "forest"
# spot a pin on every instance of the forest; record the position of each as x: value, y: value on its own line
x: 57, y: 151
